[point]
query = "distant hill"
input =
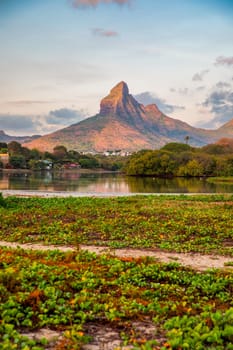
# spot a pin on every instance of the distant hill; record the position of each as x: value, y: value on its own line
x: 125, y: 124
x: 21, y: 139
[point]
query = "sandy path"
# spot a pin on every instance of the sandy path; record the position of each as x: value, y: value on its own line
x: 64, y: 194
x: 194, y: 260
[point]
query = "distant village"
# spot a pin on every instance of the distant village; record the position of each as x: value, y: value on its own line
x: 14, y: 156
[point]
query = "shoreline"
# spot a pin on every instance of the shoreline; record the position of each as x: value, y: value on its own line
x: 52, y: 194
x: 79, y: 171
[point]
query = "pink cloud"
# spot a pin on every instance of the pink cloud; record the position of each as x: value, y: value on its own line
x: 227, y: 61
x: 94, y: 3
x: 105, y: 33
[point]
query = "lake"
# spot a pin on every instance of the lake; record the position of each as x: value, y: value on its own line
x: 106, y: 183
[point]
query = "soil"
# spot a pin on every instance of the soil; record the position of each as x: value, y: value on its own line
x: 200, y: 262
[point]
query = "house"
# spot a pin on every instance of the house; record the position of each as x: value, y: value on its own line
x: 71, y: 166
x: 46, y: 164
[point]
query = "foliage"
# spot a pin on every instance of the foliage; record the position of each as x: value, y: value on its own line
x: 2, y: 201
x: 177, y: 147
x: 192, y: 168
x: 68, y: 291
x: 209, y: 330
x: 22, y: 157
x: 180, y: 223
x: 18, y: 162
x: 222, y: 179
x: 177, y: 159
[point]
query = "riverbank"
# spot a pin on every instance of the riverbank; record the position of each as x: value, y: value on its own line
x: 78, y: 171
x: 65, y: 194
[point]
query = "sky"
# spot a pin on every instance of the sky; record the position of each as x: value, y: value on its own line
x: 59, y: 58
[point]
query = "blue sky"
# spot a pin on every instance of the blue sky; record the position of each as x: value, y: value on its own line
x: 59, y: 58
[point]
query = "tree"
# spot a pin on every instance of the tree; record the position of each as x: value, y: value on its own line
x: 18, y: 162
x: 3, y: 147
x: 176, y: 147
x: 187, y: 139
x: 60, y: 152
x: 192, y: 168
x: 15, y: 148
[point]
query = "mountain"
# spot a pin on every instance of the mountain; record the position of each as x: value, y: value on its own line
x: 123, y: 123
x: 21, y: 139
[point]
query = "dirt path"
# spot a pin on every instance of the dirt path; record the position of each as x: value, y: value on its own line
x: 196, y: 261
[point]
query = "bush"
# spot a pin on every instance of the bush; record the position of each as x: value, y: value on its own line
x: 2, y: 201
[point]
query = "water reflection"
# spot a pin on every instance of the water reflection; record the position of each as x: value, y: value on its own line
x: 106, y: 183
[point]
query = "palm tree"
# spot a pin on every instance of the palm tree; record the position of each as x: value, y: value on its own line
x: 187, y: 138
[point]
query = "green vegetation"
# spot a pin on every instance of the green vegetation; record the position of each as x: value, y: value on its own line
x: 175, y: 223
x: 68, y: 291
x: 177, y: 159
x: 2, y: 201
x: 222, y: 179
x: 23, y: 158
x: 3, y: 147
x: 174, y: 159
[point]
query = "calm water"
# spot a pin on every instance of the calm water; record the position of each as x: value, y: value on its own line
x: 106, y: 183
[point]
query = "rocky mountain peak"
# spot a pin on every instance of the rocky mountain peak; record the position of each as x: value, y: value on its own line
x: 115, y: 100
x: 120, y: 90
x: 120, y: 103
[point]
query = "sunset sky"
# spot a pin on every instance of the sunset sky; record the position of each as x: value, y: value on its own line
x: 60, y: 57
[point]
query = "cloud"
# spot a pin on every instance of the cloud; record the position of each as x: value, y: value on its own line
x: 27, y: 102
x: 94, y: 3
x: 220, y: 103
x: 104, y: 33
x: 65, y: 116
x: 20, y: 124
x: 222, y: 84
x: 147, y: 98
x: 181, y: 91
x: 200, y: 88
x: 31, y: 124
x: 200, y: 76
x: 224, y: 61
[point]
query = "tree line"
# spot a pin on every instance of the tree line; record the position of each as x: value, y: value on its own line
x: 178, y: 159
x: 24, y: 158
x: 173, y: 159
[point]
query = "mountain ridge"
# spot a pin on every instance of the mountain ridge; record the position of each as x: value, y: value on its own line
x: 124, y: 123
x: 21, y: 139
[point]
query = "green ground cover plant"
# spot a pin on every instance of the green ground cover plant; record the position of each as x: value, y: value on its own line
x: 222, y: 179
x: 68, y: 291
x: 175, y: 223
